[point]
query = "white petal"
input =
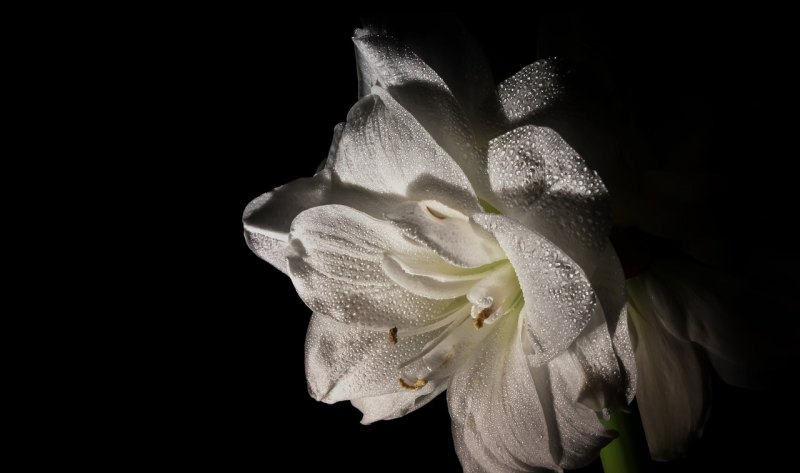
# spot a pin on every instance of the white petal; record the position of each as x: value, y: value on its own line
x: 385, y: 61
x: 392, y: 406
x: 389, y: 63
x: 444, y: 286
x: 576, y: 432
x: 672, y: 382
x: 385, y: 150
x: 542, y: 182
x: 551, y: 93
x: 559, y: 300
x: 445, y: 45
x: 623, y: 347
x: 531, y: 91
x: 345, y: 362
x: 442, y: 356
x: 267, y: 218
x: 338, y: 269
x: 703, y: 306
x: 498, y: 421
x: 448, y: 232
x: 608, y: 282
x: 594, y: 376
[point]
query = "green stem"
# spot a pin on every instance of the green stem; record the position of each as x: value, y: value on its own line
x: 622, y: 454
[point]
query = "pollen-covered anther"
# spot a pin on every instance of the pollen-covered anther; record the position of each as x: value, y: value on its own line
x: 436, y: 214
x: 393, y: 336
x: 482, y: 315
x: 413, y: 387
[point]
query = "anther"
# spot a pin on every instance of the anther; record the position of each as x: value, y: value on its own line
x: 413, y: 387
x: 482, y: 315
x: 436, y: 214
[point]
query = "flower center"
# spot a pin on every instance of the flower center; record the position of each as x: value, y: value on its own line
x: 471, y: 270
x: 492, y: 296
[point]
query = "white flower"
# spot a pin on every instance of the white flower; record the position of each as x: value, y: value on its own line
x: 685, y: 319
x: 435, y: 259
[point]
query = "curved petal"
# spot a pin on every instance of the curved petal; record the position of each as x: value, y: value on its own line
x: 559, y: 300
x: 623, y: 348
x: 711, y: 309
x: 444, y: 44
x: 443, y: 286
x: 510, y: 416
x: 344, y: 362
x: 268, y: 218
x: 444, y: 355
x: 498, y: 421
x: 385, y: 150
x: 535, y: 89
x: 337, y: 269
x: 385, y: 61
x: 392, y: 406
x: 593, y: 376
x: 448, y: 232
x: 576, y: 429
x: 672, y: 382
x: 575, y: 99
x: 608, y: 282
x: 542, y: 182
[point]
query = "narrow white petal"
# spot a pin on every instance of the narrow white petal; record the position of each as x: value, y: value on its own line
x: 579, y: 435
x: 338, y: 270
x: 623, y: 347
x: 433, y: 287
x: 608, y: 282
x: 559, y: 300
x: 596, y: 379
x: 448, y: 232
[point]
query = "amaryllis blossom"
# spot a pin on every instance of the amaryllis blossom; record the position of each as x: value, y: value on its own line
x: 448, y: 243
x: 684, y: 319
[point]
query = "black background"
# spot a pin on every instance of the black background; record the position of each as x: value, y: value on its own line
x: 260, y: 97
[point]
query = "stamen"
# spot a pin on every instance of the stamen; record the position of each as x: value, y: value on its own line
x: 393, y: 335
x: 436, y: 214
x: 413, y: 387
x: 482, y: 315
